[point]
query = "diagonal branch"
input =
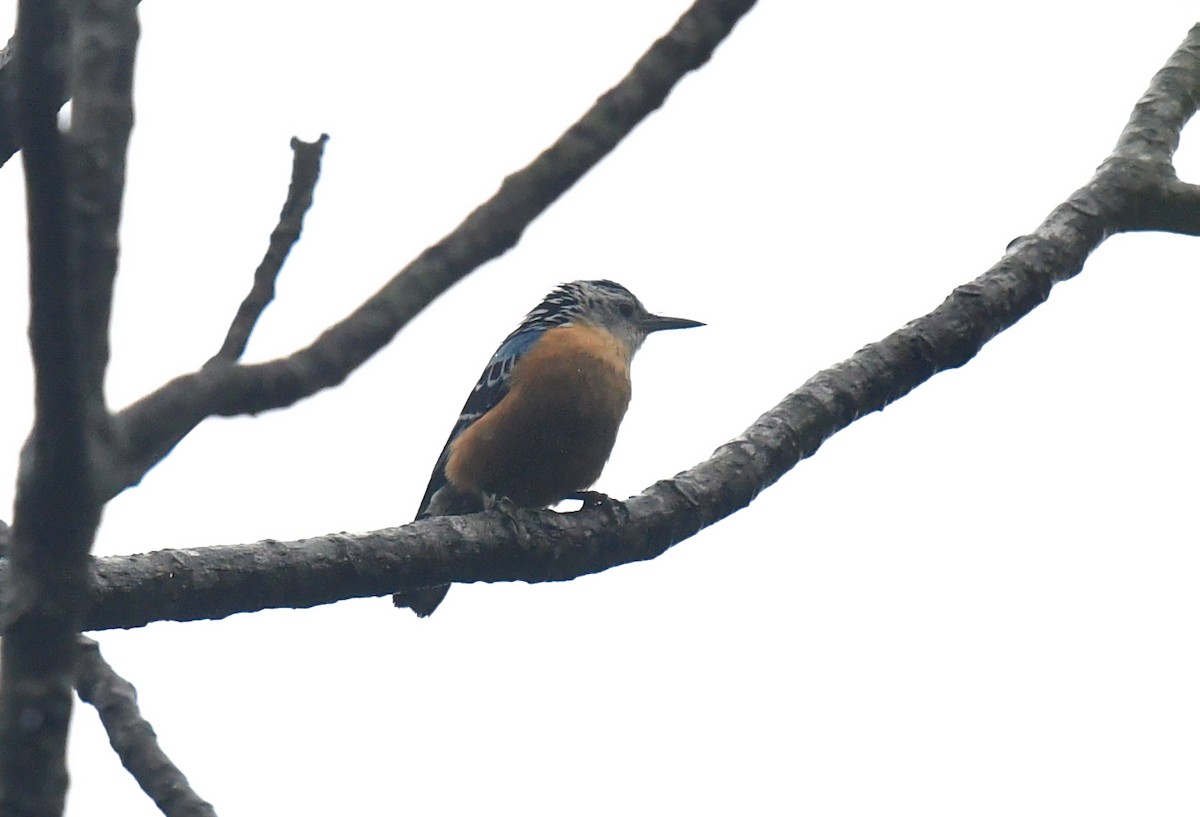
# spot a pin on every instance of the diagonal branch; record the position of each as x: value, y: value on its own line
x: 1135, y: 189
x: 133, y: 738
x: 150, y: 427
x: 306, y: 168
x: 1138, y: 179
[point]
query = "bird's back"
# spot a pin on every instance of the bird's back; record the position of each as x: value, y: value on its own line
x: 492, y: 387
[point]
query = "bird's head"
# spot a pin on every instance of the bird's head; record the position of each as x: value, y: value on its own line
x: 612, y: 307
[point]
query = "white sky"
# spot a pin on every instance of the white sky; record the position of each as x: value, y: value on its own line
x: 981, y: 601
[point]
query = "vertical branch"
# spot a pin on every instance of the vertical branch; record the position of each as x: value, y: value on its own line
x: 103, y: 39
x: 37, y: 650
x: 74, y: 182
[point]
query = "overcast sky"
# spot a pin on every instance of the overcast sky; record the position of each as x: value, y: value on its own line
x: 980, y: 601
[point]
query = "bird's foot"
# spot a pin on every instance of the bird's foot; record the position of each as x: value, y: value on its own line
x: 497, y: 502
x: 615, y: 508
x: 591, y: 499
x: 508, y: 509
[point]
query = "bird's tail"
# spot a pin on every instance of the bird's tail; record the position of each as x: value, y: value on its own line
x: 422, y: 602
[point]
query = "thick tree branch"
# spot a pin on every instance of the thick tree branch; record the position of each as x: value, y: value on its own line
x: 153, y: 425
x: 9, y: 139
x: 36, y: 658
x: 1138, y: 180
x: 1154, y: 129
x: 74, y: 183
x: 133, y: 738
x: 215, y: 582
x: 103, y: 40
x: 306, y: 168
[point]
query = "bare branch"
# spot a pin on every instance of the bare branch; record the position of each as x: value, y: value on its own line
x: 1153, y: 131
x: 215, y: 582
x: 154, y: 424
x: 1138, y: 180
x: 74, y: 183
x: 133, y: 738
x: 9, y: 139
x: 36, y: 658
x: 306, y: 168
x: 8, y: 84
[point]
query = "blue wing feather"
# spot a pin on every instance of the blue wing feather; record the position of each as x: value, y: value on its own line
x: 490, y: 389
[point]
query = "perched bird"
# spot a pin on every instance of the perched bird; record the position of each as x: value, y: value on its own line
x: 540, y: 423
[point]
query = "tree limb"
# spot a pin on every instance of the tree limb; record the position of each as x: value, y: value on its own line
x: 74, y: 183
x: 1135, y: 189
x: 154, y: 424
x: 133, y: 738
x: 9, y: 139
x: 8, y: 85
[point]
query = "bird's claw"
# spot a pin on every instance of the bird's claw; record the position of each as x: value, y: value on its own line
x: 506, y: 508
x: 598, y: 499
x: 496, y: 502
x: 591, y: 499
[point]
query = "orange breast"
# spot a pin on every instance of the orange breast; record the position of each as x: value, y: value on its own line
x: 552, y: 433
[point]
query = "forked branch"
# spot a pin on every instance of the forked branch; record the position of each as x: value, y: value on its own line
x: 1135, y: 189
x: 153, y: 425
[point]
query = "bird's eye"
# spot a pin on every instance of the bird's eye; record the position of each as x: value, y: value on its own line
x: 626, y: 310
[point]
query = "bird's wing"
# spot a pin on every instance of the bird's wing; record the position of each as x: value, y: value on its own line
x: 491, y: 388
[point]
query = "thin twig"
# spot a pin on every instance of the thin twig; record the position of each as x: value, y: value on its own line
x: 306, y: 169
x: 132, y: 736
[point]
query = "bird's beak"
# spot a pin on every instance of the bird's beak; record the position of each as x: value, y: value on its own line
x: 655, y: 323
